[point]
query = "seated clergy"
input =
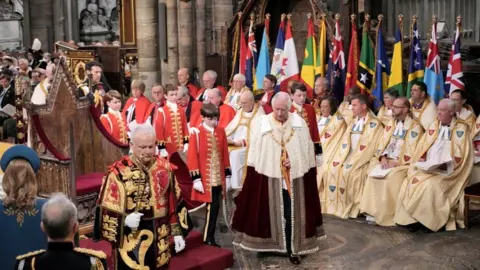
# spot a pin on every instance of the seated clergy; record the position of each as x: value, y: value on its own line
x: 209, y: 81
x: 462, y: 109
x: 385, y: 114
x: 394, y: 153
x: 331, y: 127
x: 432, y: 193
x: 423, y: 107
x: 214, y: 96
x: 345, y: 108
x: 190, y: 106
x: 238, y: 135
x: 233, y: 95
x: 40, y: 93
x: 346, y: 172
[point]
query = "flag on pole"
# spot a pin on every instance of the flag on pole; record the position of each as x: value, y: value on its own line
x: 309, y: 60
x: 353, y: 54
x: 454, y: 79
x: 277, y: 60
x: 323, y: 52
x: 251, y: 56
x: 382, y: 68
x: 243, y: 52
x: 289, y: 61
x: 433, y: 73
x: 337, y: 73
x: 416, y: 68
x: 366, y: 66
x: 396, y: 76
x: 263, y: 66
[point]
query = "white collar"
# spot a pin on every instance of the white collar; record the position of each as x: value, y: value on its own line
x: 171, y: 105
x: 297, y: 107
x: 209, y: 129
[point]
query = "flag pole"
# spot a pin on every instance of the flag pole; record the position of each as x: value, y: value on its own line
x: 236, y: 39
x: 374, y: 77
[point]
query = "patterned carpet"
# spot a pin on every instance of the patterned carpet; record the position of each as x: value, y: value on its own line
x: 355, y: 244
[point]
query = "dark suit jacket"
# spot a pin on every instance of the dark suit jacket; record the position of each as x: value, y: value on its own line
x: 9, y: 97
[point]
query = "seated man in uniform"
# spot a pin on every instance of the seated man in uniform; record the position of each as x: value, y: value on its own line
x: 432, y: 193
x: 393, y: 156
x: 238, y: 135
x: 423, y: 108
x: 60, y: 223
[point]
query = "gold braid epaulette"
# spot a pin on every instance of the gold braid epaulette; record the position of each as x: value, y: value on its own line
x: 31, y: 254
x: 91, y: 252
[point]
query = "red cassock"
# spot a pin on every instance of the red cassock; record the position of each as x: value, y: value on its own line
x: 152, y: 111
x: 194, y: 90
x: 308, y: 114
x: 208, y: 159
x: 115, y: 125
x: 195, y: 115
x: 140, y: 111
x: 227, y: 114
x: 219, y: 87
x: 266, y: 101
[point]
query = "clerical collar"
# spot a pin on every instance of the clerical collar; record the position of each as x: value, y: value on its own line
x: 418, y: 105
x: 60, y: 246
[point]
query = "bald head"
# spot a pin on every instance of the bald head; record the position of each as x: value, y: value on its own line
x: 247, y: 101
x: 182, y: 76
x: 59, y: 218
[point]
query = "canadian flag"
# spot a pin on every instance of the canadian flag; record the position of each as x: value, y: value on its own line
x: 290, y: 70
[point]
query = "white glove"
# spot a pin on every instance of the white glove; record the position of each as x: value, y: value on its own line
x: 179, y: 243
x: 163, y: 153
x: 133, y: 220
x: 185, y: 147
x: 197, y: 185
x: 319, y: 160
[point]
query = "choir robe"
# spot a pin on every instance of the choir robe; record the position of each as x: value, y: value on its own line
x: 345, y: 174
x: 385, y: 115
x: 468, y: 115
x: 172, y: 135
x: 152, y: 112
x: 130, y: 187
x: 330, y: 130
x: 239, y: 129
x: 266, y: 100
x: 475, y: 177
x: 307, y: 112
x: 40, y: 93
x: 345, y: 109
x: 426, y: 114
x: 435, y: 199
x: 192, y: 89
x: 207, y: 160
x: 202, y: 93
x: 227, y: 113
x: 398, y: 143
x: 20, y: 232
x: 233, y: 97
x: 258, y: 220
x: 115, y: 123
x: 136, y: 109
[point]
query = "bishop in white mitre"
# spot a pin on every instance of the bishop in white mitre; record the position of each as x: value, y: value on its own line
x: 432, y: 193
x: 238, y: 135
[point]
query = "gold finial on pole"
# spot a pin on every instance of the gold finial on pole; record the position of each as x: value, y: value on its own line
x: 353, y: 17
x: 289, y: 16
x: 323, y: 16
x: 337, y: 16
x: 267, y: 16
x: 414, y: 18
x: 434, y: 19
x: 459, y: 20
x: 283, y: 16
x: 309, y: 15
x: 239, y: 14
x: 380, y: 17
x: 252, y: 16
x: 400, y: 18
x: 367, y: 17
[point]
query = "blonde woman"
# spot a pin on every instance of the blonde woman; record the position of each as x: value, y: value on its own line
x: 19, y: 206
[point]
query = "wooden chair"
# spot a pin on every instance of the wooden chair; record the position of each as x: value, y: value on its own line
x: 471, y: 192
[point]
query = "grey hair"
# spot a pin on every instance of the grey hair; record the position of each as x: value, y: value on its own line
x: 143, y: 129
x: 282, y: 96
x: 249, y: 94
x: 212, y: 74
x: 216, y: 90
x: 22, y: 61
x: 59, y: 214
x: 47, y: 55
x: 240, y: 77
x: 323, y: 80
x: 182, y: 91
x: 450, y: 104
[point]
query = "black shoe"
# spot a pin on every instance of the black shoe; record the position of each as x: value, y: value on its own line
x: 294, y: 259
x: 212, y: 243
x: 414, y: 227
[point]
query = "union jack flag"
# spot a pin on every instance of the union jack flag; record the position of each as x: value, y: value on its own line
x: 454, y: 79
x: 337, y: 72
x: 251, y: 58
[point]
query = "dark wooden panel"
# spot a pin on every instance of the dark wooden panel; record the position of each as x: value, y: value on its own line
x: 127, y: 24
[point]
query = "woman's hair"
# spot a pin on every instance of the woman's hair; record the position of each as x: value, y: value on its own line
x: 19, y: 184
x: 333, y: 104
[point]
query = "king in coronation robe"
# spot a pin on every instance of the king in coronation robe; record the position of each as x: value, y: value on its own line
x: 238, y: 134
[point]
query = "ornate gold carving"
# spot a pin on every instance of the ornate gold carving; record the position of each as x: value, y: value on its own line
x: 182, y: 217
x: 130, y: 243
x: 163, y: 231
x: 91, y: 252
x: 163, y: 259
x: 109, y: 228
x: 20, y: 213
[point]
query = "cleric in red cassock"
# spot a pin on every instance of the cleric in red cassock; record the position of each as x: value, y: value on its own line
x: 209, y: 81
x: 278, y: 209
x: 158, y: 96
x: 184, y: 80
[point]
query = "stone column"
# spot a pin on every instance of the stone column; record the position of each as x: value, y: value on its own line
x: 223, y: 13
x: 200, y: 35
x: 185, y: 34
x: 146, y: 20
x: 172, y: 40
x: 58, y: 21
x: 41, y: 23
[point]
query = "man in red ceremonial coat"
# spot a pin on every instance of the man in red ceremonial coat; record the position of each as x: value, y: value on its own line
x: 191, y: 106
x: 136, y: 210
x: 135, y: 109
x: 158, y: 101
x: 209, y: 82
x: 278, y: 209
x: 227, y: 113
x: 172, y: 140
x: 209, y: 164
x: 307, y: 112
x: 265, y: 99
x: 184, y: 80
x: 114, y: 121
